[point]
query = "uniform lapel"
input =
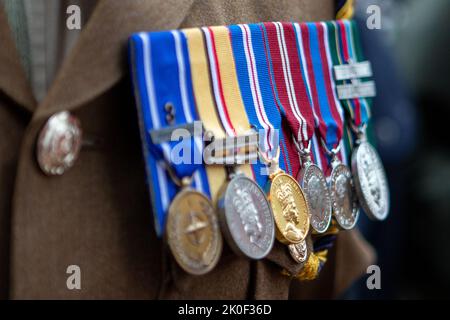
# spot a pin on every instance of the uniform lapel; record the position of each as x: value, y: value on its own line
x: 99, y: 58
x: 13, y: 81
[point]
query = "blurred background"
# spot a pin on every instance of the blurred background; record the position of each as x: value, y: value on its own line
x: 410, y: 58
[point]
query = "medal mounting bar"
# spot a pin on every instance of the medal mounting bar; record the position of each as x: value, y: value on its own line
x: 356, y: 89
x: 169, y: 133
x: 233, y: 150
x: 353, y: 70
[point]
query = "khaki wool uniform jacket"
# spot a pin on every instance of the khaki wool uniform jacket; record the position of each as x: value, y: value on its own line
x: 97, y: 214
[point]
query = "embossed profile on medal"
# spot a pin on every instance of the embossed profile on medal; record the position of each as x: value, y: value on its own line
x: 371, y: 175
x: 290, y: 214
x: 316, y: 199
x: 344, y: 197
x: 250, y: 218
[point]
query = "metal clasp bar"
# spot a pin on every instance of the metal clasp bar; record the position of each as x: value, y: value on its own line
x: 233, y: 150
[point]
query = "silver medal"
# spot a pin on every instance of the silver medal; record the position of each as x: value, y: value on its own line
x: 343, y: 198
x: 314, y: 184
x: 246, y: 218
x: 370, y: 181
x: 299, y: 251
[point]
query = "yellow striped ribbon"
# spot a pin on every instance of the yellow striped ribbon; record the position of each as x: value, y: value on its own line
x: 204, y: 97
x: 230, y: 87
x: 205, y: 103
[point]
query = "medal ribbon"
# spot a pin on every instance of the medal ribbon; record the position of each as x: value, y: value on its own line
x: 291, y: 92
x: 318, y: 156
x: 254, y: 81
x: 225, y: 86
x: 345, y: 47
x: 290, y: 81
x: 161, y: 76
x: 287, y: 150
x: 354, y: 47
x: 326, y: 105
x: 205, y: 102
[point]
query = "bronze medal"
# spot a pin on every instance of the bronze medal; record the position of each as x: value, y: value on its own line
x: 193, y: 232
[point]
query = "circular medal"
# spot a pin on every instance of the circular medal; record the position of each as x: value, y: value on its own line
x: 290, y: 209
x: 370, y: 181
x: 246, y: 218
x: 343, y: 198
x: 299, y: 251
x: 316, y: 190
x: 193, y: 232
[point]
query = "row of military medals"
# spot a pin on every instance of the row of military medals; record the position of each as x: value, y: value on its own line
x: 245, y: 215
x: 250, y: 219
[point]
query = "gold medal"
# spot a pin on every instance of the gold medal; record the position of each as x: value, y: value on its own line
x: 193, y: 232
x: 289, y: 206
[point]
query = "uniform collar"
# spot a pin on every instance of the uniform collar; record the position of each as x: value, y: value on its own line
x: 99, y: 58
x: 13, y: 81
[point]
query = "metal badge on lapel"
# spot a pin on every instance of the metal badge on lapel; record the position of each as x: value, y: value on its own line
x: 59, y: 143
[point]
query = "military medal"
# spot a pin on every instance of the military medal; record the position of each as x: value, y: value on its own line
x: 289, y: 205
x: 367, y: 169
x: 245, y: 213
x: 330, y: 123
x: 299, y: 251
x: 370, y: 180
x: 246, y: 217
x: 193, y: 232
x: 180, y: 190
x: 290, y: 208
x: 311, y: 176
x: 314, y: 183
x: 296, y: 99
x: 289, y: 201
x: 343, y: 198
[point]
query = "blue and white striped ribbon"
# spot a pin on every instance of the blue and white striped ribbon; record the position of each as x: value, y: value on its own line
x: 161, y: 75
